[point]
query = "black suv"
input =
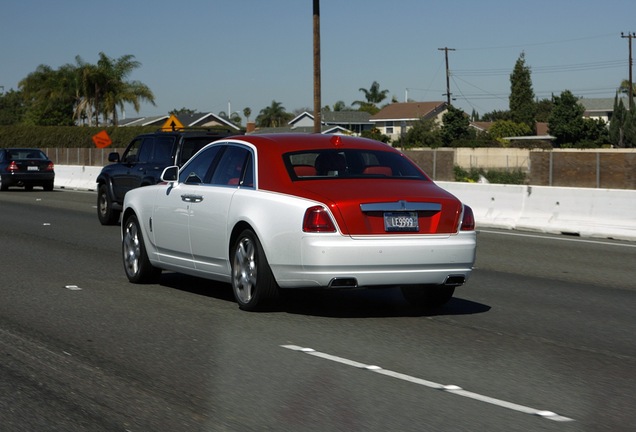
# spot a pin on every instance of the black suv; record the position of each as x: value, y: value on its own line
x: 142, y: 163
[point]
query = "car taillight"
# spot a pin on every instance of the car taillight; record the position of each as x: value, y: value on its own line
x: 468, y: 221
x: 317, y: 219
x: 49, y: 167
x: 12, y: 167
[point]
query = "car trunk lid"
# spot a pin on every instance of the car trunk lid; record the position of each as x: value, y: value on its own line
x: 388, y: 207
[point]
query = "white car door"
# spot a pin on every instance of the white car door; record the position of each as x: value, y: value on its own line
x: 170, y: 226
x: 209, y: 225
x: 173, y: 209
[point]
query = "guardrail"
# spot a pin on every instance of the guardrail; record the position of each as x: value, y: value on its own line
x: 602, y: 213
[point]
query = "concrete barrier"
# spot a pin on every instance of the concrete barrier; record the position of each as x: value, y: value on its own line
x: 602, y: 213
x: 77, y: 177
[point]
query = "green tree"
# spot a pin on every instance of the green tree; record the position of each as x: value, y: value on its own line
x: 117, y: 91
x: 624, y: 88
x: 617, y: 123
x: 507, y: 128
x: 273, y: 116
x: 496, y: 115
x: 455, y: 126
x: 182, y: 111
x: 423, y: 133
x: 566, y: 119
x: 594, y: 134
x: 373, y: 96
x: 375, y: 134
x: 339, y: 106
x: 49, y: 96
x: 629, y: 129
x: 544, y: 108
x: 12, y: 108
x: 522, y: 105
x: 234, y: 117
x: 247, y: 112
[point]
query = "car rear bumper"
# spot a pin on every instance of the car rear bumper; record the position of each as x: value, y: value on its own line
x: 36, y: 178
x: 327, y: 261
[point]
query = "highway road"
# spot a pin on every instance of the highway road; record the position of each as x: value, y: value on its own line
x: 542, y: 338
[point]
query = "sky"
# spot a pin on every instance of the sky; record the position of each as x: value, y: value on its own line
x: 212, y: 55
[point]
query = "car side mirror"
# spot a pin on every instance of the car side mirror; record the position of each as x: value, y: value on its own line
x: 170, y: 174
x: 113, y: 157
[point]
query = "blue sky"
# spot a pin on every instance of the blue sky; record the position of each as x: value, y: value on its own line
x: 211, y: 55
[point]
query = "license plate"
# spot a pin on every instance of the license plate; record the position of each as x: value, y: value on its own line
x: 401, y: 221
x: 33, y: 168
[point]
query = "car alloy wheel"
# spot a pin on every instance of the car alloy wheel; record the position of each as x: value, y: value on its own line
x: 252, y: 280
x: 136, y: 262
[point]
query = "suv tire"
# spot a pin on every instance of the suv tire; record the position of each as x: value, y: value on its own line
x: 105, y: 212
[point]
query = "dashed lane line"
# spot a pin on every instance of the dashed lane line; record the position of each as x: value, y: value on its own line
x: 450, y: 388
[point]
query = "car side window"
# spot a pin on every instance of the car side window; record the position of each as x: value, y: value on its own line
x: 145, y: 153
x: 229, y: 171
x: 197, y: 169
x: 131, y: 155
x: 162, y: 150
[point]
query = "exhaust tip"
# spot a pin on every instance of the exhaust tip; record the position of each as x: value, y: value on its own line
x: 455, y: 280
x: 343, y: 283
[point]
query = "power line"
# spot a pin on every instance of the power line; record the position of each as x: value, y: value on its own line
x: 609, y: 64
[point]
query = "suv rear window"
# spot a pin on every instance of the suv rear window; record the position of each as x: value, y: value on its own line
x: 314, y: 164
x: 191, y: 145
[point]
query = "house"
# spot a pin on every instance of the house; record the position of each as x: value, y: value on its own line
x: 601, y: 108
x: 395, y: 119
x: 351, y: 122
x: 196, y: 120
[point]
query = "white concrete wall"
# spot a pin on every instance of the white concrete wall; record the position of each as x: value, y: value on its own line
x: 603, y: 213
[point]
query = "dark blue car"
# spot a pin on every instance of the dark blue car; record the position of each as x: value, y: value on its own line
x: 25, y: 167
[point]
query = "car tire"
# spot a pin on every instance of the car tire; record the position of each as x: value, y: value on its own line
x: 105, y: 212
x: 253, y: 283
x: 428, y: 296
x: 48, y: 186
x: 136, y: 263
x: 3, y: 185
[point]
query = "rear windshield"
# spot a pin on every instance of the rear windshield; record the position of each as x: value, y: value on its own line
x: 26, y: 154
x: 352, y: 163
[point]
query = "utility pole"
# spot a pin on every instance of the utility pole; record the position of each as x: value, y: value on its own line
x: 630, y: 36
x: 448, y: 93
x: 317, y: 88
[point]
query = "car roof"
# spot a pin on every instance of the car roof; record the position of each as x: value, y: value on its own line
x: 292, y: 142
x: 270, y: 147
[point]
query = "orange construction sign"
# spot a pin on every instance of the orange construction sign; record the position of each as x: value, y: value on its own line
x: 101, y: 139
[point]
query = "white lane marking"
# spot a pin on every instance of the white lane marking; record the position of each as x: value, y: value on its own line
x: 450, y: 388
x: 72, y: 287
x: 547, y: 237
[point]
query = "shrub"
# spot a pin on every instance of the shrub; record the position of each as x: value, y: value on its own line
x: 498, y: 176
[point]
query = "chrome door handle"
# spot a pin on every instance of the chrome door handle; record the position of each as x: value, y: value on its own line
x: 192, y: 198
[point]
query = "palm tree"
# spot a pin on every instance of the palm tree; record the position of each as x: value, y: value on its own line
x: 624, y: 88
x: 116, y: 90
x: 273, y: 115
x: 247, y: 112
x: 374, y: 95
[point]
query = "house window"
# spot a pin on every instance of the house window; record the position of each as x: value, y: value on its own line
x: 389, y: 127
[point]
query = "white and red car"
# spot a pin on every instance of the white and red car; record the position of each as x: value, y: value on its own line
x: 265, y: 212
